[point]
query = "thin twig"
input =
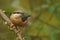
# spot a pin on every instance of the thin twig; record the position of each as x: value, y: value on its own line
x: 11, y: 25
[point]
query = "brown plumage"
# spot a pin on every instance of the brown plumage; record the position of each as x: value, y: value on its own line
x: 18, y: 18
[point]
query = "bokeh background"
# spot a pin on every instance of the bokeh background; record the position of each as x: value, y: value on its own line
x: 44, y: 23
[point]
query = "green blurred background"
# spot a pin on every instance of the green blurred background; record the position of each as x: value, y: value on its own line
x: 44, y: 23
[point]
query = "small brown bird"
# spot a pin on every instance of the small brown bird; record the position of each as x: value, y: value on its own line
x: 19, y: 18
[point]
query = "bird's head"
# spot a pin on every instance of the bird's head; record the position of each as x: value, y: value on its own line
x: 22, y: 15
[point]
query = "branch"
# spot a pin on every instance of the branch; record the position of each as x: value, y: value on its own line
x: 11, y: 25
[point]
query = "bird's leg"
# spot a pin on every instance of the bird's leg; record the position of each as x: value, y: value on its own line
x: 11, y: 26
x: 16, y: 27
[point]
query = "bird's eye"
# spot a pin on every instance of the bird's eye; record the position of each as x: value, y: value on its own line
x: 17, y: 13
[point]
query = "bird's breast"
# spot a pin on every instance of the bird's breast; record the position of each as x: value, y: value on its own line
x: 15, y: 19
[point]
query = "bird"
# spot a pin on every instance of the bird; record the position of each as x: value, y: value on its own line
x: 19, y: 18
